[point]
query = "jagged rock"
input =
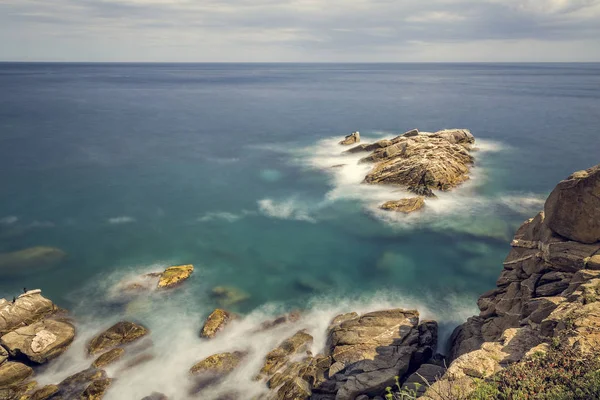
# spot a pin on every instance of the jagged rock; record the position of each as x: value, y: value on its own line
x: 573, y: 208
x: 351, y: 139
x: 222, y: 363
x: 28, y: 308
x: 455, y: 136
x: 34, y: 257
x: 39, y: 342
x: 279, y: 356
x: 108, y: 358
x: 405, y: 205
x: 13, y: 373
x: 119, y: 334
x: 380, y: 144
x: 228, y: 296
x: 215, y: 323
x: 376, y: 347
x: 90, y: 384
x: 174, y: 276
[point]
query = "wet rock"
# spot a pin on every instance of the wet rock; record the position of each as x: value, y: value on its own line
x: 411, y: 133
x: 405, y: 205
x: 90, y: 384
x: 573, y: 208
x: 119, y: 334
x: 293, y: 316
x: 228, y: 296
x: 40, y: 341
x: 44, y: 393
x: 34, y: 257
x: 156, y: 396
x: 351, y: 139
x: 108, y: 358
x: 279, y: 356
x: 28, y: 308
x: 13, y: 373
x: 222, y: 363
x: 215, y: 323
x: 174, y: 276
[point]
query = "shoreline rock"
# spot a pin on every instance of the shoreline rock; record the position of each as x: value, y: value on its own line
x: 352, y: 138
x: 405, y: 205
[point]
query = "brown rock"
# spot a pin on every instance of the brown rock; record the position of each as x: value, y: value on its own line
x: 90, y: 384
x: 215, y: 323
x: 351, y: 139
x: 121, y: 333
x: 573, y: 208
x: 222, y: 363
x: 39, y: 342
x: 174, y: 276
x: 28, y: 308
x: 279, y: 356
x: 108, y: 358
x: 13, y: 373
x: 405, y: 205
x: 44, y: 393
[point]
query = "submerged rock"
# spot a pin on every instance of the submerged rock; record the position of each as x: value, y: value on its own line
x: 33, y: 257
x: 28, y: 308
x: 215, y: 323
x: 405, y: 205
x: 351, y: 139
x: 228, y: 296
x: 573, y: 208
x: 90, y: 384
x: 156, y: 396
x: 109, y: 357
x: 40, y: 341
x: 121, y: 333
x: 174, y: 276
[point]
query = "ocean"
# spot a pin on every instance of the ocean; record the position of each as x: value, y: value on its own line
x: 130, y: 168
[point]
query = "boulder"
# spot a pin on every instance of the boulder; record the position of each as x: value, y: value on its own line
x: 119, y: 334
x: 28, y: 308
x: 90, y: 384
x: 221, y: 364
x: 282, y: 354
x: 405, y: 205
x: 108, y: 358
x: 422, y: 162
x: 215, y: 323
x: 13, y: 373
x: 228, y: 296
x: 34, y: 257
x: 44, y: 393
x: 174, y: 276
x: 573, y: 208
x: 351, y: 139
x: 40, y: 341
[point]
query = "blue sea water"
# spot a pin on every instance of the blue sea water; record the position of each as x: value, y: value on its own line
x: 130, y: 168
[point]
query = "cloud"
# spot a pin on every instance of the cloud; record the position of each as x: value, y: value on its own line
x: 287, y: 30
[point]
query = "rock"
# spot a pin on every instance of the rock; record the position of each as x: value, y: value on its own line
x: 228, y: 296
x: 411, y: 133
x: 174, y: 276
x: 294, y: 389
x: 405, y: 205
x: 34, y: 257
x: 44, y: 393
x: 423, y: 162
x: 215, y: 323
x: 592, y: 262
x: 351, y: 139
x: 119, y: 334
x: 90, y: 384
x: 370, y: 147
x: 13, y: 373
x: 293, y: 316
x: 375, y: 348
x: 108, y: 358
x: 279, y: 356
x: 420, y: 380
x: 39, y: 342
x: 156, y: 396
x: 573, y: 208
x: 221, y: 364
x: 28, y: 308
x: 3, y: 354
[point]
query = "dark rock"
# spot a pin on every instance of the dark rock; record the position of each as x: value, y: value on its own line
x: 119, y: 334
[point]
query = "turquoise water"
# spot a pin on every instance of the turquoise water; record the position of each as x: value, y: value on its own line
x: 131, y: 168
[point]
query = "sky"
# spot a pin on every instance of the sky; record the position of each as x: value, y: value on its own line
x: 300, y: 30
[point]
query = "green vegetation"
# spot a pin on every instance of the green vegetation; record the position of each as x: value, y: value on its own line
x: 560, y: 374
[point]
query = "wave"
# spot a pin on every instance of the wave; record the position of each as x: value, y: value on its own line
x: 288, y: 209
x: 224, y: 216
x: 9, y: 220
x: 121, y: 220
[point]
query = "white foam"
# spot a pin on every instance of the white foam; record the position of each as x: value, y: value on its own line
x: 224, y: 216
x: 290, y: 209
x: 9, y: 220
x: 121, y: 220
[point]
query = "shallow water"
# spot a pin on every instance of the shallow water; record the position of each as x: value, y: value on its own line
x: 131, y: 168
